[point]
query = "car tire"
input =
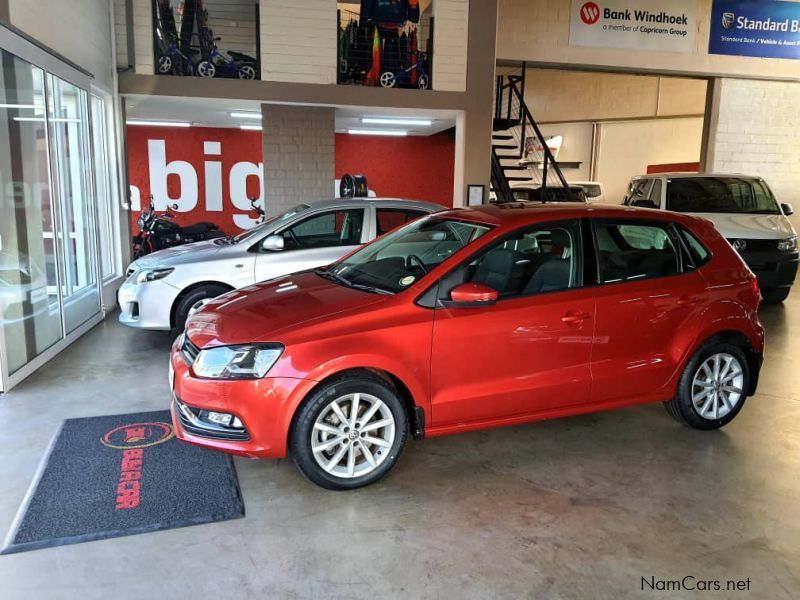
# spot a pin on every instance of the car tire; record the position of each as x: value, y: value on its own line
x: 706, y: 398
x: 775, y: 295
x: 193, y: 301
x: 338, y: 452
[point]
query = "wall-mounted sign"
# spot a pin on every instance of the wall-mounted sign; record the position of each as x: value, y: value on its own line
x: 636, y: 24
x: 766, y: 28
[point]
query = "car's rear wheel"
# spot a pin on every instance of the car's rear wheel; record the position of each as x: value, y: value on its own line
x: 712, y: 388
x: 194, y: 301
x: 775, y: 295
x: 350, y: 432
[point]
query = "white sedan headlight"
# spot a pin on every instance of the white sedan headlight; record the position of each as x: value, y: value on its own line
x: 788, y: 245
x: 237, y: 362
x: 146, y: 275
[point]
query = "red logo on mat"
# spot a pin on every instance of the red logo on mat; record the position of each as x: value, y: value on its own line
x: 132, y: 439
x: 590, y: 13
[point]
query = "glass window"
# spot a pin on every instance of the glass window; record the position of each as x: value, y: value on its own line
x: 639, y: 189
x: 655, y: 194
x: 323, y: 230
x: 532, y: 261
x: 107, y: 211
x: 697, y: 251
x: 392, y: 218
x: 630, y: 251
x: 30, y: 311
x: 720, y: 195
x: 396, y: 261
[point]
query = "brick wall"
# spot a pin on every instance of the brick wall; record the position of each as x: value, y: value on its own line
x: 758, y: 132
x: 298, y: 154
x: 451, y: 20
x: 143, y: 37
x: 298, y: 41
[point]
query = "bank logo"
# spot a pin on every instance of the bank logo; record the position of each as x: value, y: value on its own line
x: 137, y: 435
x: 590, y: 13
x: 728, y: 20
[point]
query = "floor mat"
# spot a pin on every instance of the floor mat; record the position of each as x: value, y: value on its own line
x: 118, y: 475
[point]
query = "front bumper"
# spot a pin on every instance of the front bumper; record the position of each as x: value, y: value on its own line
x: 773, y: 269
x: 265, y: 407
x: 147, y: 305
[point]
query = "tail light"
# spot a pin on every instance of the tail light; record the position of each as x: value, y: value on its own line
x: 756, y: 291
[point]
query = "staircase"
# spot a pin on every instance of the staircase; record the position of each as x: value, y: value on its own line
x: 519, y: 150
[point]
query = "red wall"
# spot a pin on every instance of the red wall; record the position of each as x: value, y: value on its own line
x: 418, y: 168
x: 414, y: 167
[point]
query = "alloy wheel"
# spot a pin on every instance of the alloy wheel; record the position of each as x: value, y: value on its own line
x: 717, y: 386
x: 353, y: 435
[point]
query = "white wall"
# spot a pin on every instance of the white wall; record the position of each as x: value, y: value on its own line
x: 538, y: 30
x: 627, y: 148
x: 577, y: 147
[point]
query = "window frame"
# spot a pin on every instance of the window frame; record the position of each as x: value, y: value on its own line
x: 441, y: 296
x: 396, y: 209
x: 315, y: 214
x: 668, y: 226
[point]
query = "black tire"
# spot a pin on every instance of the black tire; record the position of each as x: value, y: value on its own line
x: 189, y: 300
x: 775, y: 295
x: 300, y: 439
x: 682, y: 408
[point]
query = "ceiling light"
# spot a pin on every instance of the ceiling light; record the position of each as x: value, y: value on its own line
x: 39, y: 106
x: 251, y: 127
x: 245, y: 115
x: 52, y: 119
x: 396, y: 121
x: 159, y: 123
x: 394, y: 132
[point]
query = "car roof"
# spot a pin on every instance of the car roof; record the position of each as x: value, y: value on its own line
x: 514, y: 214
x: 336, y: 202
x: 684, y: 175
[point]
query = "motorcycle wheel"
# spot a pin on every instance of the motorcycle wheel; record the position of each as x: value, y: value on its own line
x: 206, y: 69
x: 247, y: 72
x: 164, y: 65
x: 388, y: 80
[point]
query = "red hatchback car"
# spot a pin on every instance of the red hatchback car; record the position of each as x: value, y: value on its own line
x: 470, y: 319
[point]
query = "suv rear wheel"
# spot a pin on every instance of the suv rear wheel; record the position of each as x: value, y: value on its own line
x: 775, y: 295
x: 712, y: 388
x: 349, y: 433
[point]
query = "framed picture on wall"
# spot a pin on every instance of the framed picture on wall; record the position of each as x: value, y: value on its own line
x: 475, y: 195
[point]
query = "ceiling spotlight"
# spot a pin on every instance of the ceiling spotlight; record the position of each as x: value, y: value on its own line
x: 245, y: 115
x: 392, y: 132
x: 158, y: 123
x: 396, y: 121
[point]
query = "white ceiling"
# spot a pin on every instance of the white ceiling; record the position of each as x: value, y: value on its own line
x: 211, y: 112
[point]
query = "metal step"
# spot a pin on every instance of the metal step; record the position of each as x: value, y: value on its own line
x: 502, y: 136
x: 503, y: 124
x: 521, y: 179
x: 514, y: 167
x: 505, y: 146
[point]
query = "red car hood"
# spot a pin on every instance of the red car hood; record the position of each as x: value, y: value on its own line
x: 259, y: 313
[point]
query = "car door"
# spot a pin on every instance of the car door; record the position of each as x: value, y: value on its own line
x: 648, y: 292
x: 313, y: 241
x: 530, y: 351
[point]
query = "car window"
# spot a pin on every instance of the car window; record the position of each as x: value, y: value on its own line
x: 327, y: 229
x: 392, y: 218
x: 534, y: 260
x: 630, y: 251
x: 639, y: 189
x: 592, y: 191
x: 697, y: 251
x: 655, y: 194
x: 720, y: 195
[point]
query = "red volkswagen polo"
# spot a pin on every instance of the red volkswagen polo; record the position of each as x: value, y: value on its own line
x: 471, y: 319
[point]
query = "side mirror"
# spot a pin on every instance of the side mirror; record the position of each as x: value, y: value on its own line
x: 471, y: 294
x: 787, y: 209
x: 272, y: 243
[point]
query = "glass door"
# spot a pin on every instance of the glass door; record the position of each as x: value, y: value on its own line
x: 30, y: 307
x: 76, y: 232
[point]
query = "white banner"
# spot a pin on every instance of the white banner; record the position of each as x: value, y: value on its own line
x: 637, y: 24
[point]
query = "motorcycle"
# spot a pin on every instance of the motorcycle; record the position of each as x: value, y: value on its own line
x: 159, y: 231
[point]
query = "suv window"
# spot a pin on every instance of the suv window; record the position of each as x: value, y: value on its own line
x: 720, y: 195
x: 545, y: 258
x: 327, y: 229
x: 630, y: 251
x: 392, y: 218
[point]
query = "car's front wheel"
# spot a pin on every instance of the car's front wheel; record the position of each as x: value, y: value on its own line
x: 350, y: 432
x: 712, y: 388
x: 194, y: 301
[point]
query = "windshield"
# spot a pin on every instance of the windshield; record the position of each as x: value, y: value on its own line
x: 258, y: 230
x: 721, y: 195
x: 396, y: 261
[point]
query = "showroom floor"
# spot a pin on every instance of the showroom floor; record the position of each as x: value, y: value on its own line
x: 573, y: 508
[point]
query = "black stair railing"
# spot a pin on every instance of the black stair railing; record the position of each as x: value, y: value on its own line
x: 510, y: 111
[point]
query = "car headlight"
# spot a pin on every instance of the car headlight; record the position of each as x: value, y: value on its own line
x: 788, y: 245
x: 237, y: 362
x: 146, y: 275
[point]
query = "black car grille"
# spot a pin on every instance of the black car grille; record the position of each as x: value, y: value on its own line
x: 755, y: 245
x: 189, y: 350
x: 193, y: 422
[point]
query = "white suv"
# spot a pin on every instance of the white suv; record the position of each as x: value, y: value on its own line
x: 742, y: 208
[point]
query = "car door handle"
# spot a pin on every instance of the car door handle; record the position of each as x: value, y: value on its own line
x: 574, y: 318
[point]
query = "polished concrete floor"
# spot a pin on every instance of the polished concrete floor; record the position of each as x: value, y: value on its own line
x: 573, y: 508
